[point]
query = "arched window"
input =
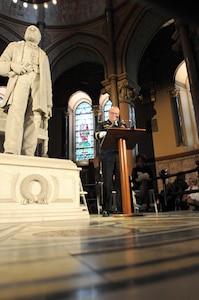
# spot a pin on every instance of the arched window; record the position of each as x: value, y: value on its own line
x: 107, y: 106
x: 184, y: 116
x: 84, y: 138
x: 80, y: 121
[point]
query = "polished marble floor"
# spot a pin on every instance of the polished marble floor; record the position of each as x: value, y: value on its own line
x: 149, y: 256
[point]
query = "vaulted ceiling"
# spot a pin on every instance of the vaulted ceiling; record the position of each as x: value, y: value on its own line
x: 156, y: 67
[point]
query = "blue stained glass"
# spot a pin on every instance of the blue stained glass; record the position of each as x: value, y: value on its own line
x: 107, y: 106
x: 84, y: 139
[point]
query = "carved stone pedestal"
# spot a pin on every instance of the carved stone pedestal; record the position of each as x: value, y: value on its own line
x: 39, y: 189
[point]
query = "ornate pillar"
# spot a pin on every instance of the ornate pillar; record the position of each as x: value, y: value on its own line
x: 128, y: 93
x: 111, y: 54
x: 191, y: 65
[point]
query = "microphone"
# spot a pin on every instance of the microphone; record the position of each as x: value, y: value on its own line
x: 117, y: 121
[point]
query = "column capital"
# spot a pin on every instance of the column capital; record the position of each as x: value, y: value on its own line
x: 127, y: 92
x: 96, y: 110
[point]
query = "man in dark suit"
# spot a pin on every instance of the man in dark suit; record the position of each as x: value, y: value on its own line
x: 110, y: 163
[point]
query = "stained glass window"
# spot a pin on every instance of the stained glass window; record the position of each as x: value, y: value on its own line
x: 107, y: 106
x: 84, y: 138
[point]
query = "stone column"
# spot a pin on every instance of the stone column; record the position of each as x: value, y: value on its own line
x: 128, y: 92
x: 112, y: 76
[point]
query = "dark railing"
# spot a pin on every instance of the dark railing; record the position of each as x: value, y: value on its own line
x: 164, y: 174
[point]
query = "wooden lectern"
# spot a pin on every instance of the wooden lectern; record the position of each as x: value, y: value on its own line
x: 122, y: 139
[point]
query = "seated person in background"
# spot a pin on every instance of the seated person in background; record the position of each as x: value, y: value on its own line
x: 173, y: 194
x: 168, y: 193
x: 180, y: 185
x: 142, y: 178
x: 192, y: 199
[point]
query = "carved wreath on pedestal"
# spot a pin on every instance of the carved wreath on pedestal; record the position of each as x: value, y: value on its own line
x: 28, y: 196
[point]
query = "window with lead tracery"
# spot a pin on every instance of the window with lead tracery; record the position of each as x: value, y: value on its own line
x: 84, y: 135
x: 107, y: 106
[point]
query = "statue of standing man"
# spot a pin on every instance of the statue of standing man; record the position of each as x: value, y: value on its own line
x: 28, y: 97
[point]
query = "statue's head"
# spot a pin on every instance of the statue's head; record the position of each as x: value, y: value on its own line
x: 32, y: 34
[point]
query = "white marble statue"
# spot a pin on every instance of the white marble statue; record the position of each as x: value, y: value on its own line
x: 28, y: 97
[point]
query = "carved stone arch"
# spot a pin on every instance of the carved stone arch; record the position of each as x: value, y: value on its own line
x: 136, y: 40
x: 76, y: 50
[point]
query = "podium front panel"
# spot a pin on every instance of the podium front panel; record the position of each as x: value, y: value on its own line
x: 131, y: 136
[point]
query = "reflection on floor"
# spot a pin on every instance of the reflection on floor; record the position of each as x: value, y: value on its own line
x: 152, y: 256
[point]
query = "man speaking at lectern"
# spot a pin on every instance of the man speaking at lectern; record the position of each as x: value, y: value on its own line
x: 110, y: 163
